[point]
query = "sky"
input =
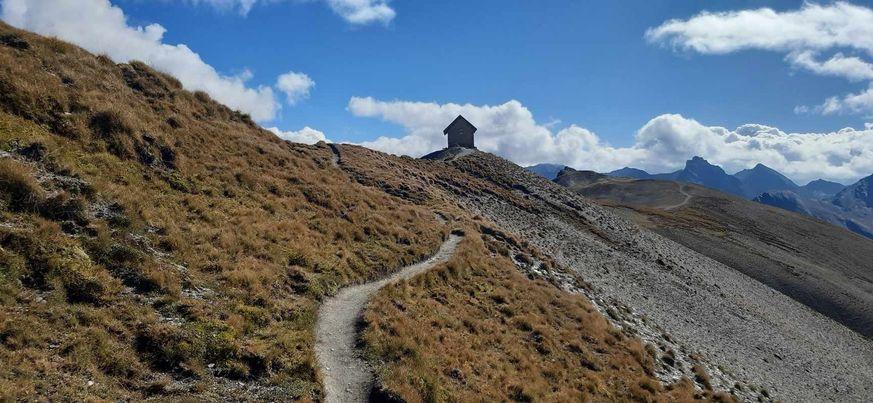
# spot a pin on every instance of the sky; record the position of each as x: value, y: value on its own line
x: 594, y: 85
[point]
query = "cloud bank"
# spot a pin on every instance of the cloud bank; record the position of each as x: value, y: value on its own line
x: 661, y: 145
x: 804, y: 35
x: 358, y: 12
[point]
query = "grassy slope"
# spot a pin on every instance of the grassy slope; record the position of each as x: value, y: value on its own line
x: 158, y: 244
x: 480, y: 329
x: 195, y: 238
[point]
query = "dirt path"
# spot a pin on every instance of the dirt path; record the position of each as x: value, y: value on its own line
x: 347, y: 377
x: 684, y: 202
x: 336, y: 157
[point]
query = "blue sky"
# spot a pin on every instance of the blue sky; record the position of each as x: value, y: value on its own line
x: 574, y: 82
x: 582, y: 62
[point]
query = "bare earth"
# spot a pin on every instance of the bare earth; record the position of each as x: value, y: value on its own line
x: 347, y: 377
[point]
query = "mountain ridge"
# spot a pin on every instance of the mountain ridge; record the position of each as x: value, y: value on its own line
x: 156, y: 244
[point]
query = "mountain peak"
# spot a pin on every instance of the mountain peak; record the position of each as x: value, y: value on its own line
x: 859, y: 194
x: 700, y: 171
x: 697, y: 160
x: 761, y: 179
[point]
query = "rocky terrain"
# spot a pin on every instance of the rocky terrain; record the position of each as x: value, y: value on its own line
x: 819, y: 265
x: 753, y: 332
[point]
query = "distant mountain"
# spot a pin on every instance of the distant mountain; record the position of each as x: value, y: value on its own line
x: 697, y: 170
x: 821, y: 189
x: 857, y: 196
x: 848, y: 207
x: 785, y: 200
x: 762, y: 179
x: 700, y: 171
x: 815, y: 263
x: 851, y: 208
x: 548, y: 171
x: 628, y: 172
x: 569, y: 177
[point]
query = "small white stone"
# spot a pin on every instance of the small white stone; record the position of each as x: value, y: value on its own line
x: 90, y: 383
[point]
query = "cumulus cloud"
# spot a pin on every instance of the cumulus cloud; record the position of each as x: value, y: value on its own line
x: 802, y: 34
x: 813, y: 26
x: 306, y: 135
x: 359, y: 12
x: 850, y: 67
x: 508, y: 130
x: 100, y: 27
x: 363, y: 11
x: 296, y: 86
x: 861, y: 102
x: 661, y: 145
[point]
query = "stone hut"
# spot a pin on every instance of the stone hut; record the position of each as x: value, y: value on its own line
x: 460, y: 133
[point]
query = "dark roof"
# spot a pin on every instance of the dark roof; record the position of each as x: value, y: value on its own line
x: 459, y: 120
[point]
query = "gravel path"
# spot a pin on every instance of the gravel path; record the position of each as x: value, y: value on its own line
x: 684, y: 202
x: 347, y: 377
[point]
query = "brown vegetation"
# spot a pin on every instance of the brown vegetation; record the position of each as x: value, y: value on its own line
x: 154, y: 243
x: 476, y: 329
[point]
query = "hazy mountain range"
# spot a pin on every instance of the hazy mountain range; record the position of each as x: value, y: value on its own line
x: 850, y: 207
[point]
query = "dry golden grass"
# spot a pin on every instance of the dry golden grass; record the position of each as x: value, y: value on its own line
x: 157, y: 243
x: 476, y: 329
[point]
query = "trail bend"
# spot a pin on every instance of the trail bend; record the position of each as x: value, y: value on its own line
x: 687, y: 195
x: 347, y: 377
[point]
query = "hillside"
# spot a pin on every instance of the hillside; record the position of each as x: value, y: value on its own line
x: 824, y: 267
x: 156, y: 244
x: 850, y: 208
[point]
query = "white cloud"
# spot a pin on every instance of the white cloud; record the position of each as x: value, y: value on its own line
x: 306, y: 135
x: 661, y: 145
x: 296, y: 86
x: 802, y: 34
x: 813, y: 26
x: 508, y: 130
x: 850, y: 67
x: 359, y: 12
x: 363, y: 11
x: 861, y: 102
x: 100, y: 27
